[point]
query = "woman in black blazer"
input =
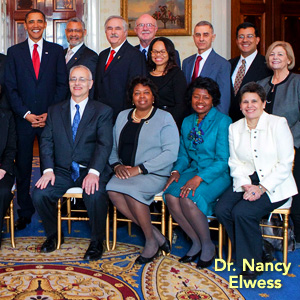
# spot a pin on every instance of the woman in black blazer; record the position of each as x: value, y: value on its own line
x: 8, y: 151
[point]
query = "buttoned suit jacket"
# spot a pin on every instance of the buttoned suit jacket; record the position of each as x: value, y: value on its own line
x: 27, y: 93
x: 257, y: 71
x: 111, y: 85
x: 93, y: 142
x: 217, y: 68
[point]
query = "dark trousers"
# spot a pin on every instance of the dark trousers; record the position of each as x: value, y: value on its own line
x: 295, y: 210
x: 6, y: 184
x: 45, y: 202
x: 24, y: 168
x: 241, y: 219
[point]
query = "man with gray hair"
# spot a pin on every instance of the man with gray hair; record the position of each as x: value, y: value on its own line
x: 207, y: 63
x: 117, y: 65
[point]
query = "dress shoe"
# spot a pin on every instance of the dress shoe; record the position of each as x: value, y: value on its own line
x: 94, y: 251
x: 205, y: 264
x: 247, y: 274
x: 141, y: 260
x: 21, y: 223
x: 268, y: 251
x: 166, y: 246
x: 50, y: 244
x: 188, y: 258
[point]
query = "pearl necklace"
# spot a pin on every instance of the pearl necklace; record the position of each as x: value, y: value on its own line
x: 138, y: 120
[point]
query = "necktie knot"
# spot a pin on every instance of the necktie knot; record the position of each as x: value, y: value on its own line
x: 35, y: 46
x: 144, y: 52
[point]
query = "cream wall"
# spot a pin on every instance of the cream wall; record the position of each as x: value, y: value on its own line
x: 215, y: 11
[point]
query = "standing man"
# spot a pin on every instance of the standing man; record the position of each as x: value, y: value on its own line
x: 249, y: 66
x: 146, y: 28
x: 117, y: 65
x: 75, y: 146
x: 35, y: 78
x: 207, y: 63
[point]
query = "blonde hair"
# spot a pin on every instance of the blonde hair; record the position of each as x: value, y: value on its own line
x: 288, y: 49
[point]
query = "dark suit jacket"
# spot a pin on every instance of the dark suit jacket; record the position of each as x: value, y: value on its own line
x: 3, y: 99
x: 111, y: 85
x: 217, y: 68
x: 93, y: 142
x: 257, y: 71
x: 8, y: 141
x: 84, y: 56
x: 24, y: 91
x: 177, y: 56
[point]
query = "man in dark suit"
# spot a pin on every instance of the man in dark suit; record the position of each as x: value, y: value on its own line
x: 3, y: 99
x: 75, y: 146
x: 254, y: 69
x: 146, y: 28
x: 117, y: 66
x: 207, y: 63
x: 35, y: 77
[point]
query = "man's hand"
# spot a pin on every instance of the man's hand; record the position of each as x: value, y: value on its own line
x: 44, y: 180
x: 90, y: 183
x: 33, y: 119
x: 2, y: 173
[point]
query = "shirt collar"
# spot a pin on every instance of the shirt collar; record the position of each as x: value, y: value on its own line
x: 76, y: 48
x: 249, y: 59
x: 261, y: 124
x: 31, y: 43
x: 81, y: 104
x: 142, y: 48
x: 117, y: 48
x: 205, y: 54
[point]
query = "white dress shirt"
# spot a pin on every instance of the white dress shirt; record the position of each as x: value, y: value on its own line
x: 204, y: 56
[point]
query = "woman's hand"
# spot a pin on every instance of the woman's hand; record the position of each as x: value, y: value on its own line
x: 252, y: 192
x: 122, y: 172
x: 2, y: 173
x: 134, y: 171
x: 174, y: 177
x: 191, y: 185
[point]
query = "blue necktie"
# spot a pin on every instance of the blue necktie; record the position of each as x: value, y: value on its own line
x: 75, y: 165
x: 145, y: 53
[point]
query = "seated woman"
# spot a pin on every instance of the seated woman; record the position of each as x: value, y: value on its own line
x: 8, y: 150
x: 146, y: 142
x: 200, y: 174
x: 168, y: 78
x: 261, y: 159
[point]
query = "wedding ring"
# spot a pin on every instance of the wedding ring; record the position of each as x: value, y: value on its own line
x: 253, y: 193
x: 189, y: 189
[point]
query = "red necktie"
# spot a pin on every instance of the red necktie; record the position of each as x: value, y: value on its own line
x: 36, y: 60
x: 196, y: 67
x: 111, y: 57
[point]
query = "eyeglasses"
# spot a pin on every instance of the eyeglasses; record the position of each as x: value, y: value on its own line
x: 149, y: 25
x: 80, y: 79
x: 248, y: 36
x: 162, y: 52
x: 74, y: 30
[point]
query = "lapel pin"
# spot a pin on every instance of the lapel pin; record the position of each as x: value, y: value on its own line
x: 119, y: 57
x: 46, y: 52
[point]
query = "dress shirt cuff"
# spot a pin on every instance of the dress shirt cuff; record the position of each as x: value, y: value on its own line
x: 144, y: 170
x: 93, y: 171
x: 47, y: 170
x: 28, y: 113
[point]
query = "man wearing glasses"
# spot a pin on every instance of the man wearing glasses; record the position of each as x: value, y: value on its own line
x: 75, y: 146
x: 249, y: 66
x: 146, y: 28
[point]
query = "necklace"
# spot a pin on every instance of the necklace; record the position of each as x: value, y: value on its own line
x: 138, y: 120
x: 196, y: 134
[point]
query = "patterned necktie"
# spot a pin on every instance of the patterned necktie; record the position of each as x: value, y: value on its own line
x: 145, y: 53
x: 36, y: 61
x: 75, y: 165
x: 196, y: 67
x: 111, y: 57
x: 69, y: 55
x: 239, y: 77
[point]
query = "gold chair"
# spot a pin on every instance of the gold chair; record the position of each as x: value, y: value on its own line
x: 10, y: 222
x: 161, y: 222
x: 74, y: 193
x: 219, y: 228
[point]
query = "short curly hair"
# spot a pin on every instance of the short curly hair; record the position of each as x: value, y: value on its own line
x: 204, y: 83
x: 253, y: 87
x: 144, y: 81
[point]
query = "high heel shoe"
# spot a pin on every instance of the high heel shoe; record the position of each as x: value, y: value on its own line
x: 166, y: 246
x: 188, y: 258
x: 141, y: 260
x: 205, y: 264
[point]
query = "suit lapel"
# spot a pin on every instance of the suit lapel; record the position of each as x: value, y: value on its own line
x: 25, y: 52
x: 102, y: 60
x: 208, y: 65
x: 66, y: 117
x: 45, y: 58
x: 119, y: 55
x: 75, y: 57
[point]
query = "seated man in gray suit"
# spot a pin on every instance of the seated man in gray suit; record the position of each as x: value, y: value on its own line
x: 249, y: 66
x: 207, y: 63
x: 75, y: 146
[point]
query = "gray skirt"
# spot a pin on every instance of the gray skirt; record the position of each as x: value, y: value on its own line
x: 143, y: 188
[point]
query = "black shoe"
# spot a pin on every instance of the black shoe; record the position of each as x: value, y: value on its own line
x: 141, y: 260
x: 21, y: 223
x: 268, y: 251
x: 188, y: 258
x: 94, y: 251
x: 50, y: 244
x: 205, y: 264
x: 247, y: 274
x: 166, y: 246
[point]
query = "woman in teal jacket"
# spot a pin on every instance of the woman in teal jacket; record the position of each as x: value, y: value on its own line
x: 201, y: 172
